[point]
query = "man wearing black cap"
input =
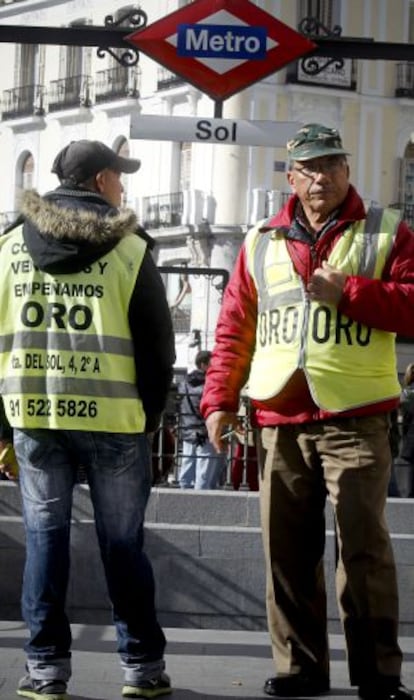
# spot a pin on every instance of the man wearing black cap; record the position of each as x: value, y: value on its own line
x: 81, y: 160
x: 86, y: 358
x: 308, y: 321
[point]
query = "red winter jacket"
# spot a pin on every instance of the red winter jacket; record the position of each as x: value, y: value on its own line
x: 386, y: 304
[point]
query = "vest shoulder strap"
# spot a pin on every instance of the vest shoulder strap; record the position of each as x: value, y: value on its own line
x: 373, y: 219
x: 377, y: 242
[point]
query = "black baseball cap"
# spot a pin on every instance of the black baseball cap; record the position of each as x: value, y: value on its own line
x: 81, y: 160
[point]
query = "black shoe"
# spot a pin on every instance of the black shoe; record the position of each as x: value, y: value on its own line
x: 296, y: 686
x: 385, y: 691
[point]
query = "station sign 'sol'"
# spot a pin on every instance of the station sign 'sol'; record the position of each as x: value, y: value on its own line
x: 225, y: 131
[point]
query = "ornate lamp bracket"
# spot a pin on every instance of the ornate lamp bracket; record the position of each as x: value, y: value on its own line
x: 136, y: 19
x: 313, y: 29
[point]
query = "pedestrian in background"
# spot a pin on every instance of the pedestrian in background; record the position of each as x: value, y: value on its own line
x: 407, y: 411
x: 395, y: 439
x: 86, y: 361
x: 244, y: 469
x: 308, y: 320
x: 201, y: 466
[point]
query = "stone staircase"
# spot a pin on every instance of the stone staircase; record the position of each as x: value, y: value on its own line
x: 206, y: 551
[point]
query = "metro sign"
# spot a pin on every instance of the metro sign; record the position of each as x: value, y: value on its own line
x: 221, y: 46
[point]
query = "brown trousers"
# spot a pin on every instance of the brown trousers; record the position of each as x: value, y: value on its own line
x: 349, y: 460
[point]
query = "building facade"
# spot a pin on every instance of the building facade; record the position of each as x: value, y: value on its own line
x: 199, y: 199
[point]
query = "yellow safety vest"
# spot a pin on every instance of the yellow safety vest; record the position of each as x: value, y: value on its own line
x: 346, y: 363
x: 66, y: 351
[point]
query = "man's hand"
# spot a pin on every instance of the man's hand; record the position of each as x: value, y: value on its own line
x: 8, y: 462
x: 217, y: 424
x: 326, y: 284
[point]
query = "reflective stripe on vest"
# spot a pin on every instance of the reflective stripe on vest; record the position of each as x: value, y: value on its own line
x: 66, y: 352
x: 346, y: 363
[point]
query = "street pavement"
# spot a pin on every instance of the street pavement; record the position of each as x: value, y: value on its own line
x: 210, y: 664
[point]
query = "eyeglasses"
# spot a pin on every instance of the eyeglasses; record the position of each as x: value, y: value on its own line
x: 327, y: 166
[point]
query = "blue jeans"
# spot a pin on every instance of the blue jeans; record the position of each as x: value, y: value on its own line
x: 118, y: 471
x: 201, y: 466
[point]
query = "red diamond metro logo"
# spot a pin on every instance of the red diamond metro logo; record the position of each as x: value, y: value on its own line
x: 221, y: 46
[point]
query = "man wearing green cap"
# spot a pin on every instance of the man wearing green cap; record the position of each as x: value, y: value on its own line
x: 308, y: 321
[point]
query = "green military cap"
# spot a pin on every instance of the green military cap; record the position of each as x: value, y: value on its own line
x: 315, y: 141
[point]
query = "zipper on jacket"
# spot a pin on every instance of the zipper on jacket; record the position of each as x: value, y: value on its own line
x: 305, y: 324
x: 314, y: 259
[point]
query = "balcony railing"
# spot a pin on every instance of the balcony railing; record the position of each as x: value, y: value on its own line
x: 166, y: 79
x: 275, y: 200
x: 407, y: 212
x: 340, y: 78
x: 7, y: 218
x: 23, y: 101
x: 405, y: 80
x: 163, y: 210
x: 116, y: 83
x: 71, y: 91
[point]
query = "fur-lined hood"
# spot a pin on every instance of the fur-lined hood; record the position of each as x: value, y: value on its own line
x: 70, y: 219
x: 68, y: 229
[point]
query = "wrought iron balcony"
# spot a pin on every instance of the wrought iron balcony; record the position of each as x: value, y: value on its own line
x: 23, y: 101
x: 116, y: 83
x: 405, y: 80
x: 163, y: 210
x: 408, y: 214
x: 407, y: 211
x: 72, y: 91
x: 275, y: 200
x: 7, y: 218
x: 166, y: 79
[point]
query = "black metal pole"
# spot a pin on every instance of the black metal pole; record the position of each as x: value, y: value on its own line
x: 80, y: 35
x: 342, y: 47
x: 218, y: 109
